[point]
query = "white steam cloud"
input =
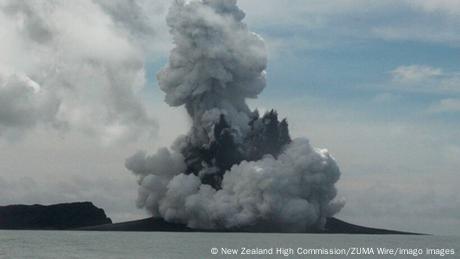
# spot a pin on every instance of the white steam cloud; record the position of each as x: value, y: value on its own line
x: 73, y: 65
x: 235, y: 169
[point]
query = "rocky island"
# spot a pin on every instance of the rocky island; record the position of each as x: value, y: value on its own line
x: 53, y: 217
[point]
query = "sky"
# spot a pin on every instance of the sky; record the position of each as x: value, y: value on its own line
x: 377, y: 83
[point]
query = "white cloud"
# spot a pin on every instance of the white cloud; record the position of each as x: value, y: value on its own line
x: 143, y: 21
x: 429, y: 21
x: 343, y: 21
x: 445, y: 105
x: 433, y: 21
x: 77, y: 66
x: 415, y: 73
x: 448, y: 7
x: 311, y: 14
x: 424, y: 79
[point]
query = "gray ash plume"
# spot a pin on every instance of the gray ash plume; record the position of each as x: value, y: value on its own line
x: 234, y: 169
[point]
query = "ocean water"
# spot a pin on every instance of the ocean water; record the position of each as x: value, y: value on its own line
x: 76, y: 244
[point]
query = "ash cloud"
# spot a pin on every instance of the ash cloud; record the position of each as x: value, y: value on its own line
x: 235, y: 169
x: 73, y: 65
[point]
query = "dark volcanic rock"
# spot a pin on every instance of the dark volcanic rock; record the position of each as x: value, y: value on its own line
x: 52, y: 217
x: 147, y: 225
x: 333, y: 226
x: 337, y: 226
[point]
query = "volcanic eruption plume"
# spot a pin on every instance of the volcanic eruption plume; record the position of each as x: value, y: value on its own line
x: 235, y: 169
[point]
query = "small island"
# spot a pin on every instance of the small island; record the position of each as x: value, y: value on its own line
x: 52, y: 217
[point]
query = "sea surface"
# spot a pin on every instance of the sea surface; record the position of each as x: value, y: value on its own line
x: 76, y: 244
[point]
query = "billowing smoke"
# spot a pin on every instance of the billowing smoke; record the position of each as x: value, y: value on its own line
x: 73, y: 65
x: 235, y: 169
